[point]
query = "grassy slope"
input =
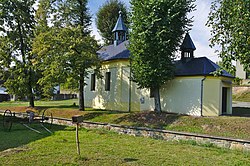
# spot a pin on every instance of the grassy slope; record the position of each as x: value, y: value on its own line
x: 100, y: 147
x: 234, y: 127
x: 244, y: 97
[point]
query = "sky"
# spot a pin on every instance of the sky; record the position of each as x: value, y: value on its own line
x: 199, y: 32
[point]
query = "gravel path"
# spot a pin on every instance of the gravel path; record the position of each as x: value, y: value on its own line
x: 241, y: 104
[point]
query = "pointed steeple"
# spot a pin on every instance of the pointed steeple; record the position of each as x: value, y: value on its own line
x: 119, y: 30
x: 187, y: 47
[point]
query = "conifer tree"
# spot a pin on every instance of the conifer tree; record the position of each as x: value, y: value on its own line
x: 106, y: 18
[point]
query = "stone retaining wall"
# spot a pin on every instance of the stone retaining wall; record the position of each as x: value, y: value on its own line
x: 222, y: 142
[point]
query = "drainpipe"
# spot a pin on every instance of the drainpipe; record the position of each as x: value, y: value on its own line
x: 202, y: 85
x: 129, y: 91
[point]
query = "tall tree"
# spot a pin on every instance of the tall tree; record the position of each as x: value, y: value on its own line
x: 67, y: 50
x: 17, y: 32
x: 157, y: 29
x: 42, y: 16
x: 230, y: 20
x: 106, y: 18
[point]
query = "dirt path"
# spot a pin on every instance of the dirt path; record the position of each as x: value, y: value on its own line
x: 241, y: 104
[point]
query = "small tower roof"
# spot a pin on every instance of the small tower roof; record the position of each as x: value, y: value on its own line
x: 188, y: 43
x: 120, y: 26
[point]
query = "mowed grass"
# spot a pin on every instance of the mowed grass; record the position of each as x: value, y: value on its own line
x: 226, y: 126
x: 244, y: 97
x: 40, y: 104
x: 100, y: 147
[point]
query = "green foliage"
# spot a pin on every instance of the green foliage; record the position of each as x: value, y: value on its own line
x: 237, y: 81
x: 64, y: 55
x: 106, y: 18
x: 41, y: 16
x: 17, y: 26
x: 230, y: 20
x: 65, y: 51
x: 71, y: 13
x: 157, y: 30
x: 222, y: 67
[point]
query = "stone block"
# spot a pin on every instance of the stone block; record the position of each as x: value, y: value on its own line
x: 237, y: 146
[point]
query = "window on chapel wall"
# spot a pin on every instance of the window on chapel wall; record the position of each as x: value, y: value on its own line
x: 107, y: 81
x: 93, y: 82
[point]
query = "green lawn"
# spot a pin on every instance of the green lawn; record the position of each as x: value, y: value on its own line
x: 50, y: 103
x: 235, y: 127
x: 100, y: 147
x: 244, y: 97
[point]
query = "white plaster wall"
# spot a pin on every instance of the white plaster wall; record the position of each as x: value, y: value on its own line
x: 212, y: 96
x: 146, y: 103
x: 118, y: 96
x: 182, y: 95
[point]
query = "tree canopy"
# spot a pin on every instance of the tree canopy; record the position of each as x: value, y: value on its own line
x: 230, y: 23
x: 157, y: 28
x: 106, y: 18
x: 66, y: 49
x: 17, y: 26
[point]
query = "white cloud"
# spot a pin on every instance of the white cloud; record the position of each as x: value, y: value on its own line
x: 200, y: 33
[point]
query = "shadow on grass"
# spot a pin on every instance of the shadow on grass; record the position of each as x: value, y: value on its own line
x: 149, y: 119
x: 98, y: 113
x: 41, y: 108
x: 241, y: 111
x: 20, y: 135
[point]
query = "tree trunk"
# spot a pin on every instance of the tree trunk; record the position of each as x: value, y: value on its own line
x: 157, y: 100
x: 81, y: 92
x: 31, y: 95
x: 22, y: 49
x: 31, y: 99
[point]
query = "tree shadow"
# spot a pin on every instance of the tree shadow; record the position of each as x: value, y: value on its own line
x: 39, y: 108
x: 149, y: 119
x: 130, y: 159
x: 92, y: 115
x: 241, y: 111
x: 19, y: 135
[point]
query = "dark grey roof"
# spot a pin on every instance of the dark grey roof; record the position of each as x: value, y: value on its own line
x: 191, y: 67
x: 120, y: 26
x: 197, y: 67
x: 112, y: 52
x: 188, y: 43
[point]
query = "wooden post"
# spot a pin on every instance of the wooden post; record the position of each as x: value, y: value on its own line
x: 77, y: 119
x: 77, y: 139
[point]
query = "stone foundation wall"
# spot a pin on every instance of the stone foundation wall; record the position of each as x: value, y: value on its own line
x: 235, y: 144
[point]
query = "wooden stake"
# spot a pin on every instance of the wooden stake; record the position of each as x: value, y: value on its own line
x: 77, y: 139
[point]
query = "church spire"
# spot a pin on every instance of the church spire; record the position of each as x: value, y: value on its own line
x: 119, y: 30
x: 187, y: 47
